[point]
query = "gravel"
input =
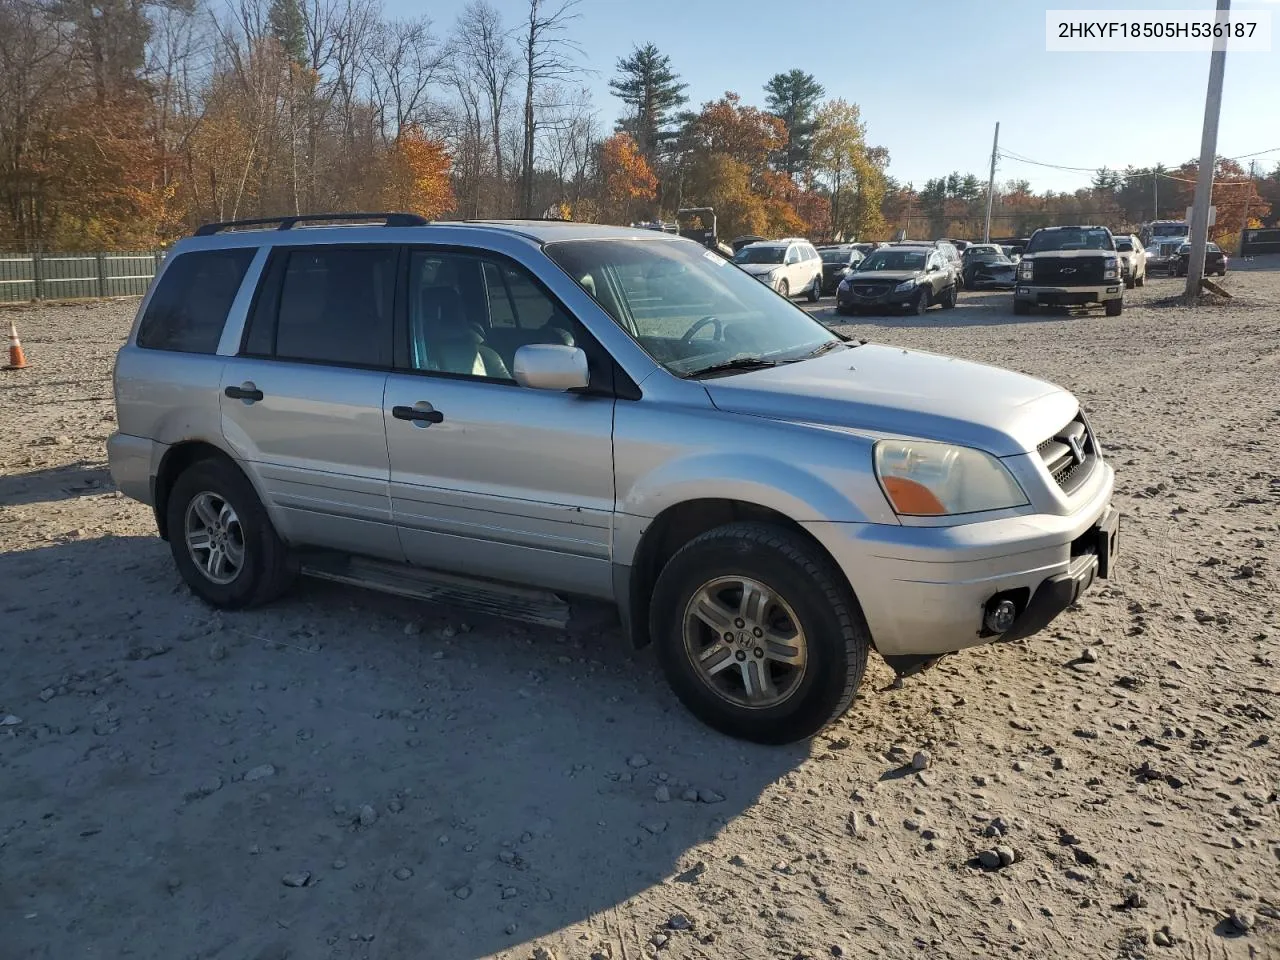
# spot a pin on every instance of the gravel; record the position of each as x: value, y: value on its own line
x: 518, y: 756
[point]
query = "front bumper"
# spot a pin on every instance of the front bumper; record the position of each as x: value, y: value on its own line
x: 1069, y: 296
x: 925, y: 591
x: 846, y: 298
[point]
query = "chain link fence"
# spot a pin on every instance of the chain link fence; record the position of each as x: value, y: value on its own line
x: 73, y: 276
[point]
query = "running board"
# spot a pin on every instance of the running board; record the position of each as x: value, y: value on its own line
x: 479, y: 596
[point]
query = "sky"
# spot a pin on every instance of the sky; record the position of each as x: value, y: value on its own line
x: 932, y: 77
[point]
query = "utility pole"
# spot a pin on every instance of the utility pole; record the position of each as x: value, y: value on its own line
x: 1244, y: 224
x: 1208, y: 156
x: 991, y: 185
x: 1155, y: 191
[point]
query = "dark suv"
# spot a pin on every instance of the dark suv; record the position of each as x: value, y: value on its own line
x: 837, y: 263
x: 901, y: 275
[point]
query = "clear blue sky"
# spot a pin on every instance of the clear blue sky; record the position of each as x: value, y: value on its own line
x: 933, y: 76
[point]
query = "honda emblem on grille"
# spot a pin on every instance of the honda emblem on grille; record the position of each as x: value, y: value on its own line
x: 1067, y: 270
x: 1077, y: 448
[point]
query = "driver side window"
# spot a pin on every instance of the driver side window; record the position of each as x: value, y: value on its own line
x: 792, y: 255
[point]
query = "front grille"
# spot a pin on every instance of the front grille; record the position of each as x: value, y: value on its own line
x: 1070, y: 455
x: 873, y: 289
x: 1068, y: 271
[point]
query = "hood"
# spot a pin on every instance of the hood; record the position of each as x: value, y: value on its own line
x: 759, y: 269
x: 904, y: 393
x: 1070, y: 254
x: 897, y: 276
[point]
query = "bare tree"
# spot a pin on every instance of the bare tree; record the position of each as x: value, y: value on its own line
x: 571, y: 132
x: 482, y: 58
x: 547, y: 57
x: 407, y: 63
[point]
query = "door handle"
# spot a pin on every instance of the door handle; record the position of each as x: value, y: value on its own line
x: 246, y: 391
x: 418, y: 415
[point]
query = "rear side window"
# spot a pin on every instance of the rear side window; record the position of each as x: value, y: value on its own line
x: 190, y: 304
x: 326, y: 305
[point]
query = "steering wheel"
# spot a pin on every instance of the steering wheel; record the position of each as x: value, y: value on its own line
x: 718, y: 333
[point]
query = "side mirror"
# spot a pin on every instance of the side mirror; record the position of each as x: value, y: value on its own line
x: 551, y: 366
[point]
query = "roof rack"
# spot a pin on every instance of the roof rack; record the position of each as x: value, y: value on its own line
x: 288, y: 222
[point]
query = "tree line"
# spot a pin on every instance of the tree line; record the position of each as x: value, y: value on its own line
x: 126, y: 123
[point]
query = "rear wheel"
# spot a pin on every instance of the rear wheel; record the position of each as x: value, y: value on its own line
x: 222, y: 539
x: 950, y: 297
x: 1115, y: 307
x: 815, y: 291
x: 758, y: 634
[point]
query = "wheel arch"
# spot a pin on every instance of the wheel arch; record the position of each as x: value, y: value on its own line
x: 680, y: 523
x: 177, y: 459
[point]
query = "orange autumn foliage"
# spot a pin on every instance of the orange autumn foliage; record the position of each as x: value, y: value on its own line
x: 415, y: 175
x: 625, y: 172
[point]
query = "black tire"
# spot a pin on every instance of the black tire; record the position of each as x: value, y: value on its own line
x: 845, y: 311
x: 1142, y: 280
x: 784, y: 289
x: 1130, y: 283
x: 838, y: 641
x: 949, y: 298
x: 267, y: 569
x: 921, y: 303
x: 1021, y: 307
x: 1115, y: 307
x: 815, y: 291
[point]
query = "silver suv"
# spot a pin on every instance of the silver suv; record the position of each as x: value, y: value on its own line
x: 509, y: 414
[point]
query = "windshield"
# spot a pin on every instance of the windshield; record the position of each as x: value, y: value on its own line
x: 982, y: 253
x: 759, y: 255
x: 1179, y: 229
x: 1070, y: 238
x: 834, y: 256
x: 686, y: 307
x: 893, y: 260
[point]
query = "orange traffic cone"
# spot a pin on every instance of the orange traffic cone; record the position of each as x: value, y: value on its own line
x: 17, y: 359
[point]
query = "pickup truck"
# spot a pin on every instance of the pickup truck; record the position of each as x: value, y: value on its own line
x: 1070, y: 266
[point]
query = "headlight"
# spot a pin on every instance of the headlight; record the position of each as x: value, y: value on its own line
x: 925, y: 479
x: 1110, y: 264
x: 904, y: 286
x: 1026, y: 269
x: 846, y: 281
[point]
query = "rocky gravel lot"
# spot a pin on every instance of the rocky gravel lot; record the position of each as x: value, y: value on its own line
x: 345, y: 775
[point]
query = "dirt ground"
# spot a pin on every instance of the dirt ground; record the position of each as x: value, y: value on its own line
x: 344, y: 775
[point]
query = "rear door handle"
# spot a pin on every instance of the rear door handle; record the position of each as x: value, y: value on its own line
x: 422, y: 414
x: 246, y: 391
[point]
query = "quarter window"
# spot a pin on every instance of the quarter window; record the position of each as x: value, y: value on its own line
x: 189, y: 306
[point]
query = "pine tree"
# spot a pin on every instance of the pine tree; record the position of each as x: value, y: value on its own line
x: 647, y: 84
x: 285, y: 19
x: 793, y: 98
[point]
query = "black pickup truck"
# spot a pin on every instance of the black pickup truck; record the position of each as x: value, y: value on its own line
x: 1070, y: 266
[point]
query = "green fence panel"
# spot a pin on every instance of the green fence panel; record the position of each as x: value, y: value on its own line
x: 17, y: 278
x: 72, y: 276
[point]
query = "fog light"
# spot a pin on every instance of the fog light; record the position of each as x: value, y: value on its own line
x: 1000, y: 616
x: 1113, y: 289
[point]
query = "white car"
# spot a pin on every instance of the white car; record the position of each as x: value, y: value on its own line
x: 1133, y: 259
x: 791, y: 266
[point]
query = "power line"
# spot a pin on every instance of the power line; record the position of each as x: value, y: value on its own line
x: 1009, y: 154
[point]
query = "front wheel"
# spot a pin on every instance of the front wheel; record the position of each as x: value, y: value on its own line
x: 921, y: 303
x: 1021, y: 307
x: 815, y: 291
x: 784, y: 289
x: 949, y: 298
x: 1142, y: 280
x: 222, y: 539
x: 1115, y: 308
x: 758, y: 634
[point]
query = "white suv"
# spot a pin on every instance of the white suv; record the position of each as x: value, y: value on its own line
x: 790, y: 266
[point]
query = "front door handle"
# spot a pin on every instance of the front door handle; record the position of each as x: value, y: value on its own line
x: 247, y: 391
x: 422, y: 414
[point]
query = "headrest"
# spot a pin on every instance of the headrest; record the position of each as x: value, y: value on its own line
x: 443, y: 315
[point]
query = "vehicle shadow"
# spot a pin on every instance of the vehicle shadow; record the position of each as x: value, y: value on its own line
x: 78, y: 479
x: 436, y: 784
x: 975, y: 309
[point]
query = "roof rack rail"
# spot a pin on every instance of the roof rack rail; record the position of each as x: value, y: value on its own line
x: 288, y: 222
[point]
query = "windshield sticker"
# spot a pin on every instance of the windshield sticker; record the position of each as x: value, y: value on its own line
x: 714, y: 257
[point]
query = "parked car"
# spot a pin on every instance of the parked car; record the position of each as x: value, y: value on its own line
x: 866, y: 248
x: 1215, y: 261
x: 789, y: 266
x: 1162, y: 254
x: 1070, y: 266
x: 1133, y: 260
x: 901, y: 276
x: 1157, y: 230
x: 950, y: 255
x: 975, y: 254
x: 1012, y: 251
x: 505, y: 414
x: 837, y: 263
x: 994, y: 273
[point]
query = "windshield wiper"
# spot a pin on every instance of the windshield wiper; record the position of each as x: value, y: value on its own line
x: 820, y: 349
x: 737, y: 363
